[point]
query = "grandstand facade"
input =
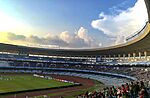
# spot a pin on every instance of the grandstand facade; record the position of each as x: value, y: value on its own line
x: 137, y: 49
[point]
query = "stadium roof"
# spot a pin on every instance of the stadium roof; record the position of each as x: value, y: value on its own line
x: 139, y: 44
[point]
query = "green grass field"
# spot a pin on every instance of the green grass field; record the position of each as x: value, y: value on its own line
x: 26, y: 82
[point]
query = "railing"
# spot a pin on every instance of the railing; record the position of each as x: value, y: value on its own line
x: 137, y: 33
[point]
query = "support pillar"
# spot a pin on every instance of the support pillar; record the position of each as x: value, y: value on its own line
x: 109, y: 57
x: 114, y: 57
x: 134, y: 54
x: 129, y: 57
x: 104, y: 57
x: 124, y: 56
x: 145, y: 54
x: 119, y: 57
x: 139, y: 55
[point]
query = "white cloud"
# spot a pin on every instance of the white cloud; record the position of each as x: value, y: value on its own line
x: 82, y: 33
x: 80, y: 39
x: 123, y: 24
x: 65, y: 36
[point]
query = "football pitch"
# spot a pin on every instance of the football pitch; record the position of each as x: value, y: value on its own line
x: 16, y: 83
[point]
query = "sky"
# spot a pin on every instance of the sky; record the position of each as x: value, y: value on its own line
x: 70, y: 23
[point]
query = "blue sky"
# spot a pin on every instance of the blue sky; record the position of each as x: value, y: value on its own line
x: 61, y: 19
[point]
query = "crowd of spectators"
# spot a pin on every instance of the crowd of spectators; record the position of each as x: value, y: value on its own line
x: 141, y: 72
x: 128, y: 90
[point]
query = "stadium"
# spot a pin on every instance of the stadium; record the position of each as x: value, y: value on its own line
x: 30, y: 72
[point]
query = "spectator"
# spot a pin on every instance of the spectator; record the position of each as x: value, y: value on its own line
x: 123, y: 91
x: 119, y: 94
x: 143, y: 94
x: 142, y: 86
x: 86, y: 94
x: 131, y: 88
x: 136, y: 89
x: 127, y: 90
x: 114, y: 91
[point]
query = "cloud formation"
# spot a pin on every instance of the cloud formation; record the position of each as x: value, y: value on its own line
x: 123, y: 24
x: 80, y: 39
